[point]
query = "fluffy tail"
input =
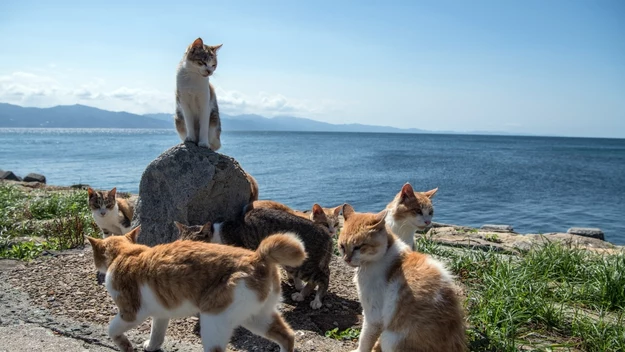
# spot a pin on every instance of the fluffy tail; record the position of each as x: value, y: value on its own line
x: 284, y: 249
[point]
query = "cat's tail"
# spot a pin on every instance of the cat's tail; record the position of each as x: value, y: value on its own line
x: 285, y: 249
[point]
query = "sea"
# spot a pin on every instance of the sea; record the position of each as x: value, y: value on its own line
x: 535, y: 184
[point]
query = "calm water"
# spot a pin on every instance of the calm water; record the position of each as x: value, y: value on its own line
x: 536, y: 184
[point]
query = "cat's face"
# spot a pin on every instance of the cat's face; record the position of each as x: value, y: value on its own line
x: 105, y: 251
x: 364, y: 238
x: 326, y: 217
x: 101, y: 202
x: 194, y: 232
x: 203, y: 57
x: 413, y: 209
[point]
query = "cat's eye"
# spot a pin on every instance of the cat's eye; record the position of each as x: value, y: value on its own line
x: 342, y: 248
x: 357, y: 248
x: 431, y: 212
x: 418, y: 212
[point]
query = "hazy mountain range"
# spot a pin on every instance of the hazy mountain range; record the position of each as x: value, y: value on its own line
x: 81, y: 116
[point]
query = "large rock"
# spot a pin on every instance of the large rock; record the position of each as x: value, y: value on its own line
x: 191, y: 185
x: 9, y: 175
x: 32, y: 177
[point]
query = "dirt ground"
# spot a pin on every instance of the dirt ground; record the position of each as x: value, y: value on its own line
x: 61, y: 290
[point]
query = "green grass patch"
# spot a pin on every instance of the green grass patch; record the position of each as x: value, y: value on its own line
x: 32, y: 221
x: 553, y: 296
x: 347, y: 334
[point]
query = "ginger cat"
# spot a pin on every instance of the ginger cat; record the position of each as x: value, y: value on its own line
x: 410, y: 211
x: 197, y: 113
x: 326, y: 217
x: 254, y: 225
x: 227, y: 286
x: 408, y: 298
x: 112, y: 215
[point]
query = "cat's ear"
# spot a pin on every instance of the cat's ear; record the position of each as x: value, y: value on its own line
x: 216, y: 48
x: 347, y: 211
x: 407, y: 191
x: 132, y: 235
x: 317, y: 209
x: 90, y: 191
x: 198, y: 43
x: 113, y: 192
x: 181, y: 227
x: 379, y: 222
x: 430, y: 193
x: 207, y: 229
x: 337, y: 210
x: 96, y: 243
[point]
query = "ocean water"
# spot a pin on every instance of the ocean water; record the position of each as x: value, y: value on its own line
x: 535, y: 184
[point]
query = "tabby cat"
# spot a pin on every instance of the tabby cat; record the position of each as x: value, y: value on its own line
x: 227, y: 286
x: 197, y: 113
x: 408, y: 298
x: 326, y: 217
x: 112, y: 215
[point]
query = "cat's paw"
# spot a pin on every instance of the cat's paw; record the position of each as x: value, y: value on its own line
x: 147, y: 346
x: 215, y: 145
x: 189, y: 140
x: 297, y: 297
x: 316, y: 304
x: 203, y: 144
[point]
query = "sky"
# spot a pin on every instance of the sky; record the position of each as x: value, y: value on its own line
x: 540, y: 67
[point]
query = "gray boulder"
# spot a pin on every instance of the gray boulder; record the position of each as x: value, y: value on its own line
x: 191, y: 185
x: 587, y: 232
x: 10, y: 176
x: 32, y: 177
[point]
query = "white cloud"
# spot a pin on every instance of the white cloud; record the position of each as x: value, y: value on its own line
x: 28, y: 89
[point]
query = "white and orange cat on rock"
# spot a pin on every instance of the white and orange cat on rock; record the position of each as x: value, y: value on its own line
x: 228, y: 286
x: 408, y: 298
x: 197, y: 113
x: 410, y: 211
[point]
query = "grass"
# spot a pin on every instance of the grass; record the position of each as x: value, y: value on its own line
x: 38, y: 220
x: 550, y: 297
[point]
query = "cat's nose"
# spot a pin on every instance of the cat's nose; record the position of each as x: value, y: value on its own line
x: 427, y: 222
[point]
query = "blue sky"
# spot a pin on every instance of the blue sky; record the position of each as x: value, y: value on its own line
x: 542, y: 67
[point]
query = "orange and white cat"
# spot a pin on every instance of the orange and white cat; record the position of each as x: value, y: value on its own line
x: 197, y: 113
x: 228, y: 286
x: 408, y: 298
x: 410, y: 211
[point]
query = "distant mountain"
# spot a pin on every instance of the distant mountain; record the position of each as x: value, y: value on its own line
x: 81, y: 116
x: 74, y: 116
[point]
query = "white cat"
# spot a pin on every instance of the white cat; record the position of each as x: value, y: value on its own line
x: 197, y: 113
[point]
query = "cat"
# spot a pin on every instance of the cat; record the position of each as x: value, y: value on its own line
x: 326, y: 217
x: 112, y: 215
x: 409, y: 299
x: 256, y: 224
x: 227, y: 286
x: 410, y: 211
x: 197, y: 113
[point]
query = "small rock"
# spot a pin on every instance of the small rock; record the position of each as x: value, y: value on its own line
x: 9, y: 175
x: 587, y: 232
x: 497, y: 228
x: 32, y: 177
